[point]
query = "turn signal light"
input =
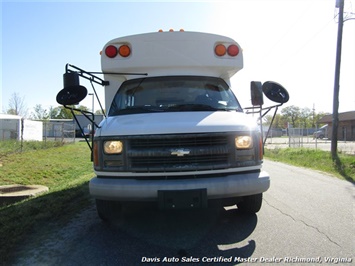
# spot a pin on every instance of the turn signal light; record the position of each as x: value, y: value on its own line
x: 261, y: 149
x: 96, y: 155
x: 220, y: 50
x: 124, y: 50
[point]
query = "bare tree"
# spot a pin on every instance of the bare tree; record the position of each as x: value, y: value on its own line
x: 17, y: 105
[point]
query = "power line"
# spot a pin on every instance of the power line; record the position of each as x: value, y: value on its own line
x: 306, y: 43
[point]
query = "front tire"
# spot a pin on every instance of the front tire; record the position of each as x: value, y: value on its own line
x: 251, y: 204
x: 108, y: 210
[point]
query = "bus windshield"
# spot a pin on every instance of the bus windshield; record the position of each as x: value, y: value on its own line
x: 173, y: 94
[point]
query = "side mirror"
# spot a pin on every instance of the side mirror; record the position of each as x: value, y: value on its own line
x: 275, y: 92
x: 256, y: 93
x: 72, y: 93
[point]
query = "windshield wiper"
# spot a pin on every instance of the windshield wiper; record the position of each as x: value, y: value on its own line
x: 199, y: 107
x: 138, y: 109
x: 191, y: 107
x: 174, y: 108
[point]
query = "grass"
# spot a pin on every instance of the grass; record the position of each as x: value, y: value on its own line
x: 64, y: 169
x: 13, y: 146
x: 343, y: 167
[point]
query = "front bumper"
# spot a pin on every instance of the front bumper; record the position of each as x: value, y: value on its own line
x: 229, y: 186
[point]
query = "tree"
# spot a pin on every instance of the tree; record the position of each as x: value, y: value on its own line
x: 296, y: 116
x: 99, y: 112
x: 61, y: 112
x: 305, y: 117
x: 39, y: 113
x: 278, y: 121
x: 318, y: 117
x: 292, y: 114
x: 17, y: 105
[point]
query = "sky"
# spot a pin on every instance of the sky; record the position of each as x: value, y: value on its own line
x: 292, y: 42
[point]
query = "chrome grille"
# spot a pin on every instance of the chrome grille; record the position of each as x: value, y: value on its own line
x: 167, y: 153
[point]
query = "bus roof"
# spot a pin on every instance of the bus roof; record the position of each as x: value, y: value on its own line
x: 172, y: 53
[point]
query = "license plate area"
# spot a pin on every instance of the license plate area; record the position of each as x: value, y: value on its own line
x: 182, y: 199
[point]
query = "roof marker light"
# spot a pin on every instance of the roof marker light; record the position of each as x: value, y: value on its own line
x: 220, y: 50
x: 124, y: 50
x: 233, y: 50
x: 111, y: 51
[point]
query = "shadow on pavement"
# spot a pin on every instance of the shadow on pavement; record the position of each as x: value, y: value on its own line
x: 145, y: 234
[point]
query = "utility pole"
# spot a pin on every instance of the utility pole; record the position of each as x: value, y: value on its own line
x: 335, y: 120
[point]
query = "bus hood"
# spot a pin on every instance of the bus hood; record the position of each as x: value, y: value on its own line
x: 175, y: 123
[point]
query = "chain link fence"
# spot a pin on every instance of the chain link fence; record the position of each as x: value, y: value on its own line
x: 16, y: 128
x: 18, y: 134
x: 304, y: 138
x: 59, y: 130
x: 299, y: 136
x: 12, y: 132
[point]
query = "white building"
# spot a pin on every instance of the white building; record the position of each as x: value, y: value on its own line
x: 16, y: 127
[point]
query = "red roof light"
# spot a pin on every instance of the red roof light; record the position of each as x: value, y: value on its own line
x: 233, y: 50
x: 111, y: 51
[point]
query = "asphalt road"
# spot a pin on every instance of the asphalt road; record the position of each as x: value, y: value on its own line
x: 306, y: 217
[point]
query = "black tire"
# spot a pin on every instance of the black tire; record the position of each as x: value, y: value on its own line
x: 108, y: 210
x: 251, y: 204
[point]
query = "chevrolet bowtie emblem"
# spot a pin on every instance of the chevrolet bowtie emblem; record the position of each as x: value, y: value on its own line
x: 180, y: 152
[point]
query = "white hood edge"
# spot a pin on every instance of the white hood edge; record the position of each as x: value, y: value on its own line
x: 176, y: 123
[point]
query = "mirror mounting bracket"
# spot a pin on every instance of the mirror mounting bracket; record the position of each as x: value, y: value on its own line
x: 274, y: 92
x: 84, y: 74
x: 91, y: 117
x: 73, y: 93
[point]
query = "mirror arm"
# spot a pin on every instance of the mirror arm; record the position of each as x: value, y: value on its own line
x: 259, y: 108
x: 98, y: 100
x: 86, y: 75
x: 259, y: 111
x: 91, y: 119
x: 270, y: 107
x: 82, y: 132
x: 90, y: 75
x: 272, y: 121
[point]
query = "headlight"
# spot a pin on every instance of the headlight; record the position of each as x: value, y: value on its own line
x: 113, y: 147
x: 244, y: 142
